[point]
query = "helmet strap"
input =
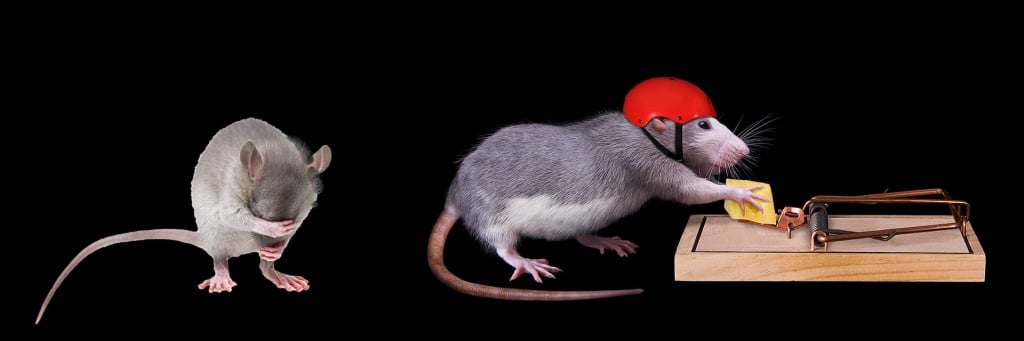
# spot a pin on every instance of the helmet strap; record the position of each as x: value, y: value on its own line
x: 678, y: 154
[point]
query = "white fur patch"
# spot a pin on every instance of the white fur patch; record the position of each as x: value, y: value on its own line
x: 541, y: 217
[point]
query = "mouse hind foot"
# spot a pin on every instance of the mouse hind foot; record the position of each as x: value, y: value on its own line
x: 281, y: 280
x: 221, y: 280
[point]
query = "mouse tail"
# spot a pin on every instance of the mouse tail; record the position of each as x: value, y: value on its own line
x: 435, y: 258
x: 184, y: 236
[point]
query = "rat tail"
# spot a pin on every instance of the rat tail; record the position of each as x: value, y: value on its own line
x: 435, y: 258
x: 184, y: 236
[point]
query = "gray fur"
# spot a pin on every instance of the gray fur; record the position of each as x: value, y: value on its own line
x: 602, y: 157
x: 250, y: 176
x: 558, y: 182
x: 222, y: 191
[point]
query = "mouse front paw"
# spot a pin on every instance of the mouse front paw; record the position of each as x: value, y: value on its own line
x: 275, y: 229
x: 272, y: 252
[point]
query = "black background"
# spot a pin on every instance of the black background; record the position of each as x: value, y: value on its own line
x: 114, y: 121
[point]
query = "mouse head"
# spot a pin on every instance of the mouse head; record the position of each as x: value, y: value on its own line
x: 681, y: 114
x: 284, y: 184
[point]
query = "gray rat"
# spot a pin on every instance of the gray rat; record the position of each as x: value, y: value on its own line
x: 252, y: 188
x: 556, y: 182
x: 559, y: 182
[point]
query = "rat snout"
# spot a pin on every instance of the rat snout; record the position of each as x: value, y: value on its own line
x: 731, y: 153
x: 741, y: 149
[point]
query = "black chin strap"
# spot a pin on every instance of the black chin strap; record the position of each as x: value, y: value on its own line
x: 678, y: 154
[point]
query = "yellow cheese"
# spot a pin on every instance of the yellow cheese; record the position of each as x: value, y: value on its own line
x: 751, y: 214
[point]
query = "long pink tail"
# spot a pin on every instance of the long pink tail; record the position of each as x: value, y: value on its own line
x: 435, y: 258
x: 184, y: 236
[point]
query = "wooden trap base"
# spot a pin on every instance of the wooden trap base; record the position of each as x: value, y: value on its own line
x: 718, y: 248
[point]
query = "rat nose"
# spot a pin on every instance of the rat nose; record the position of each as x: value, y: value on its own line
x: 732, y: 153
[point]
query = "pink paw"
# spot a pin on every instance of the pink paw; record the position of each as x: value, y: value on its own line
x: 287, y: 282
x: 747, y: 195
x: 272, y: 252
x: 536, y: 268
x: 621, y: 247
x: 218, y: 284
x: 275, y: 229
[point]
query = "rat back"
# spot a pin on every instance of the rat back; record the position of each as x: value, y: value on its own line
x: 546, y: 181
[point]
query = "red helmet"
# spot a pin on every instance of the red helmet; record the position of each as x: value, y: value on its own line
x: 667, y: 97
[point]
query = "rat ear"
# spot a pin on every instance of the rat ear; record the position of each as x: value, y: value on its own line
x: 252, y: 160
x: 659, y: 125
x: 321, y: 159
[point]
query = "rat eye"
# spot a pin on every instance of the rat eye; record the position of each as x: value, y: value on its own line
x: 704, y: 125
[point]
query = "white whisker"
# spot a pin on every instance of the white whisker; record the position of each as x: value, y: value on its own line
x: 757, y: 136
x: 739, y: 123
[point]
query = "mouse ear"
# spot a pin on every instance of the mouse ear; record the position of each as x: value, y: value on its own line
x: 659, y: 125
x: 252, y: 160
x: 321, y: 159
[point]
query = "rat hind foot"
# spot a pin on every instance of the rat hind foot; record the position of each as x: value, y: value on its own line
x: 218, y: 283
x: 284, y: 281
x: 535, y: 267
x: 221, y: 280
x: 287, y: 282
x: 620, y: 246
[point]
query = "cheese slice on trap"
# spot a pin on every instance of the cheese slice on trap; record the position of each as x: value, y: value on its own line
x: 751, y: 214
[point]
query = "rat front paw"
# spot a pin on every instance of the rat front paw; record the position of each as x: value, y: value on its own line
x: 747, y: 195
x: 275, y: 229
x: 272, y: 252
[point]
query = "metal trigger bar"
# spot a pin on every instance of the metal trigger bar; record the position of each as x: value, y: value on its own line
x: 814, y: 213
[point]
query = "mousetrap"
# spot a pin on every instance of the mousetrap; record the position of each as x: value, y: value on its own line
x: 809, y: 244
